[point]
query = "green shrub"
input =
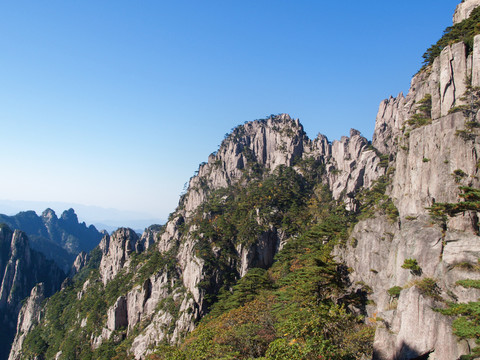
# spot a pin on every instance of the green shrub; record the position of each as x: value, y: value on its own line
x: 471, y: 197
x: 469, y: 283
x: 375, y: 199
x: 428, y: 287
x: 412, y: 265
x: 459, y: 174
x: 467, y: 319
x: 394, y: 292
x: 424, y: 113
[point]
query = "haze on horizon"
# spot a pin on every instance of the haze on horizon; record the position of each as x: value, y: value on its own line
x: 114, y: 105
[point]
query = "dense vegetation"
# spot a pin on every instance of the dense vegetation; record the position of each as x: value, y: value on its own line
x: 239, y: 214
x: 61, y: 328
x: 298, y: 309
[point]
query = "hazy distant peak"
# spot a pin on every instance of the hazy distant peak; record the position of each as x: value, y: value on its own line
x: 69, y: 216
x: 49, y: 214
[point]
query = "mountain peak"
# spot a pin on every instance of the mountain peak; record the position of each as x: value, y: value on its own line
x: 464, y: 9
x: 69, y: 216
x: 49, y: 214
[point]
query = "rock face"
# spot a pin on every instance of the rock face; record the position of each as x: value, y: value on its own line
x: 277, y: 141
x: 409, y: 327
x: 116, y: 252
x: 20, y: 269
x: 28, y: 317
x: 60, y: 239
x: 430, y: 163
x: 424, y: 171
x: 270, y: 143
x: 464, y: 9
x: 421, y: 331
x: 445, y: 80
x: 80, y: 261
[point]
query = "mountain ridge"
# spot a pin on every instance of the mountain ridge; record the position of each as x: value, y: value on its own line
x: 281, y: 239
x: 58, y: 238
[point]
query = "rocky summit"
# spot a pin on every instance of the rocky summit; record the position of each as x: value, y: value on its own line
x: 286, y: 247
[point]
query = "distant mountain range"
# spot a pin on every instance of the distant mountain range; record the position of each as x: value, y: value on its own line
x: 103, y: 218
x: 58, y: 238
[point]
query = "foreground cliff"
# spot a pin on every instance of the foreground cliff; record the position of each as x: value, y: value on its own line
x: 285, y: 247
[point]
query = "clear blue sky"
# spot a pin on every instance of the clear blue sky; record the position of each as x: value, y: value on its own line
x: 115, y: 103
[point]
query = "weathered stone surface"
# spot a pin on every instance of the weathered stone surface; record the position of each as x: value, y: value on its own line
x: 80, y: 261
x: 21, y: 268
x: 271, y: 142
x: 425, y: 161
x: 29, y: 316
x: 464, y: 9
x: 445, y: 80
x: 418, y: 330
x: 116, y: 252
x: 153, y: 335
x: 117, y: 315
x: 390, y: 118
x: 475, y: 67
x: 149, y: 237
x: 461, y: 247
x: 261, y: 253
x: 192, y: 267
x: 424, y: 171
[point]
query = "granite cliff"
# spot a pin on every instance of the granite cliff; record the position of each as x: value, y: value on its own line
x: 20, y: 269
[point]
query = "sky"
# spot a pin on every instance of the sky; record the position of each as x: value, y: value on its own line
x: 113, y: 104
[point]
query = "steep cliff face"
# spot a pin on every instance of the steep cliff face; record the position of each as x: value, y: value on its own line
x: 20, y: 269
x: 80, y: 261
x: 445, y: 81
x: 268, y: 143
x: 278, y: 141
x: 431, y: 162
x: 29, y: 316
x: 117, y: 250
